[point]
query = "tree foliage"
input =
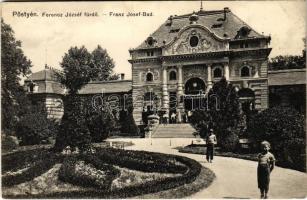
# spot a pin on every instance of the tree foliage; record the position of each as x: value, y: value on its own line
x: 78, y: 69
x: 289, y: 61
x: 127, y: 123
x: 14, y: 65
x: 222, y: 113
x: 104, y: 65
x: 100, y: 121
x: 77, y: 127
x: 284, y: 128
x: 73, y: 130
x: 34, y: 127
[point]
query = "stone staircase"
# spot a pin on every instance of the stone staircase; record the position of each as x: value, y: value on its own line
x: 174, y: 131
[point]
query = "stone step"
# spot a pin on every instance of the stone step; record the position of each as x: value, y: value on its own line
x: 174, y: 131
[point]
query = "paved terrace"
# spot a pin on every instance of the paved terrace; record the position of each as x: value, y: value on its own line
x: 235, y: 178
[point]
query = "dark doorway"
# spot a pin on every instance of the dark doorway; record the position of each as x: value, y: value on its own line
x: 194, y: 94
x: 195, y: 86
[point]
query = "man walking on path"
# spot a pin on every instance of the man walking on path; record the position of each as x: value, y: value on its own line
x: 210, y: 141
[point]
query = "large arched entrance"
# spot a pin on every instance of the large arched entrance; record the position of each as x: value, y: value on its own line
x: 247, y: 99
x: 194, y: 93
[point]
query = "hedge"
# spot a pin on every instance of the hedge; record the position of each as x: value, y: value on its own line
x: 141, y: 160
x: 36, y: 170
x: 193, y: 170
x: 68, y: 174
x: 19, y: 160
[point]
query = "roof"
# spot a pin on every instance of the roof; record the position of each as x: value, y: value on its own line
x: 287, y: 77
x: 230, y: 26
x: 49, y: 88
x: 118, y: 86
x: 48, y: 84
x: 48, y: 74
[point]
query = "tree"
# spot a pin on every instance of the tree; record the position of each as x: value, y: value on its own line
x: 222, y: 114
x: 289, y: 61
x: 283, y: 127
x: 104, y: 65
x: 114, y: 77
x: 128, y: 125
x: 34, y: 127
x: 78, y: 70
x: 14, y: 65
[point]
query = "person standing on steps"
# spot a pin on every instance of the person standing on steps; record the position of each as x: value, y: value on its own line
x: 210, y: 141
x: 266, y: 163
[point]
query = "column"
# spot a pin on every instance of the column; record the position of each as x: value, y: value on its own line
x: 209, y: 78
x: 179, y: 94
x: 165, y: 98
x: 226, y: 70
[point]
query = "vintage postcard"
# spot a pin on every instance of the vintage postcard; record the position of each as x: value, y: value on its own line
x: 153, y: 99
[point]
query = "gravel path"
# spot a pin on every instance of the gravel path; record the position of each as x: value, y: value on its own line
x: 236, y: 178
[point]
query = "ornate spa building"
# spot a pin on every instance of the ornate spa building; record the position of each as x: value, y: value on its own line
x: 179, y: 62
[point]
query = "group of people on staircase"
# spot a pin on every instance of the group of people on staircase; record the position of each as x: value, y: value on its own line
x: 164, y: 117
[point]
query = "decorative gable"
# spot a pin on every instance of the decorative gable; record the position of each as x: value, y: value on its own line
x: 195, y: 39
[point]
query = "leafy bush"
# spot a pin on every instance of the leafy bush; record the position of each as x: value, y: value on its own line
x: 21, y: 159
x: 128, y: 125
x: 34, y: 127
x: 230, y: 141
x: 36, y: 170
x: 222, y: 114
x: 73, y: 130
x: 284, y: 129
x: 9, y: 143
x: 100, y: 124
x: 74, y: 170
x: 141, y: 160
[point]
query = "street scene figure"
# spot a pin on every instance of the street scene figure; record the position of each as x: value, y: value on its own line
x: 173, y: 118
x: 266, y: 163
x: 210, y: 141
x: 165, y: 118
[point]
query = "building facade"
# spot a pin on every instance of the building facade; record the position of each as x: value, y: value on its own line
x: 175, y: 67
x: 182, y: 59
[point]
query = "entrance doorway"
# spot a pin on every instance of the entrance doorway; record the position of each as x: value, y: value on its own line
x: 194, y: 94
x: 172, y: 107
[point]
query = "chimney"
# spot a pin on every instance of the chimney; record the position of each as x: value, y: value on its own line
x: 226, y: 9
x: 122, y: 76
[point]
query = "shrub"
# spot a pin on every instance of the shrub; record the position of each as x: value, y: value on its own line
x: 34, y: 127
x: 100, y: 124
x: 18, y: 160
x: 222, y: 113
x: 9, y: 143
x: 36, y: 170
x: 84, y: 172
x: 73, y: 130
x: 128, y: 125
x: 284, y: 129
x: 141, y: 160
x: 230, y: 141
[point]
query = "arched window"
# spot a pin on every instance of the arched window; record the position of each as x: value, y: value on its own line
x: 172, y: 76
x: 217, y: 72
x: 245, y: 71
x: 149, y: 77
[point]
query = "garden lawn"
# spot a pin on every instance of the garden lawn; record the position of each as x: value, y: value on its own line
x: 201, y: 149
x: 44, y: 174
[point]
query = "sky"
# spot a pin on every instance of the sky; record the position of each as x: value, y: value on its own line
x: 46, y: 39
